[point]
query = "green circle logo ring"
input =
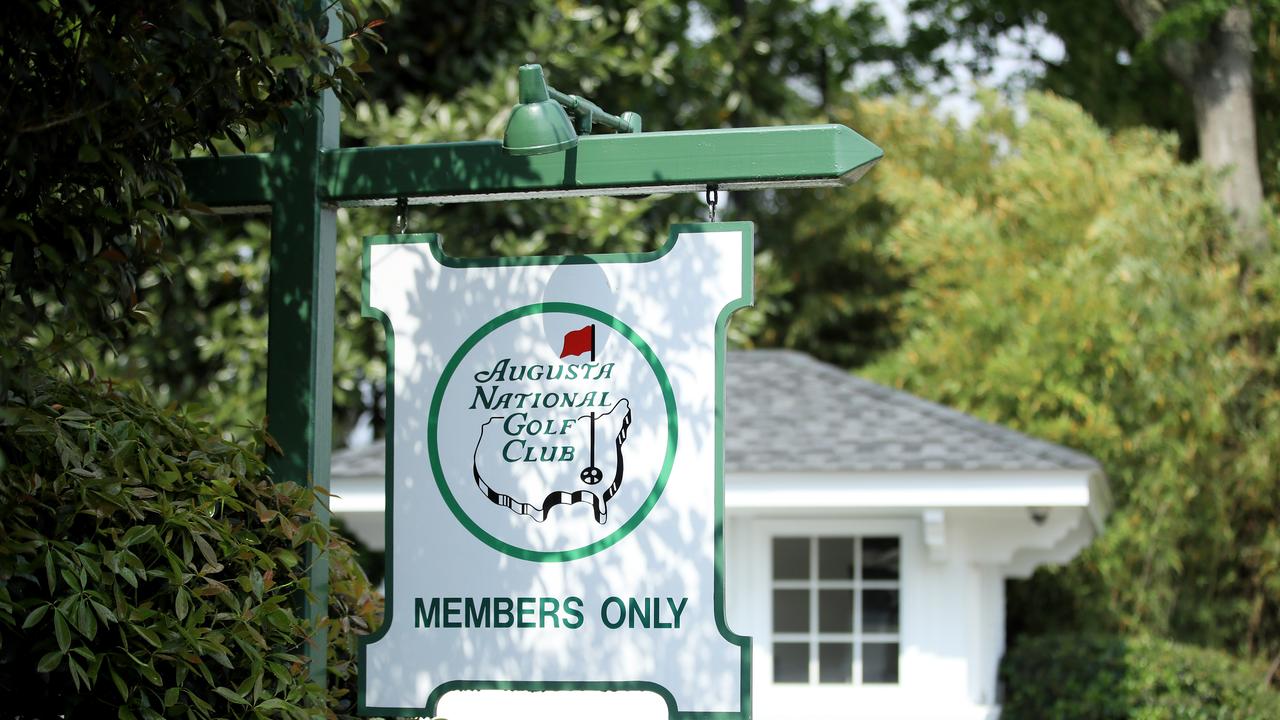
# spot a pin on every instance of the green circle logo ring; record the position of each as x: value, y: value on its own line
x: 559, y: 432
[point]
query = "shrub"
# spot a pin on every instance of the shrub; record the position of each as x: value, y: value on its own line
x: 149, y: 569
x: 1098, y: 677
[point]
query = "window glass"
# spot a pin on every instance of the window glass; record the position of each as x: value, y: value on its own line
x: 880, y: 558
x: 791, y: 611
x: 835, y: 611
x: 879, y: 663
x: 835, y: 558
x: 791, y: 662
x: 879, y: 611
x: 835, y: 662
x: 790, y: 558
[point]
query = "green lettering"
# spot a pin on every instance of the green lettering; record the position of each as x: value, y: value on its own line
x: 496, y: 374
x: 677, y: 610
x: 525, y: 606
x: 604, y: 613
x: 506, y: 424
x: 451, y: 609
x: 477, y: 615
x: 423, y: 617
x: 575, y: 620
x: 634, y: 611
x: 480, y: 398
x: 502, y: 616
x: 547, y: 608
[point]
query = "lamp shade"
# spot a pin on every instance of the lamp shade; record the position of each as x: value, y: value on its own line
x: 538, y: 124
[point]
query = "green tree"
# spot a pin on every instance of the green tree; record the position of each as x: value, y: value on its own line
x: 1078, y: 285
x: 1205, y: 68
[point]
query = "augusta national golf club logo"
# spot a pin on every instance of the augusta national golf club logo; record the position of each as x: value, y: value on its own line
x: 561, y: 434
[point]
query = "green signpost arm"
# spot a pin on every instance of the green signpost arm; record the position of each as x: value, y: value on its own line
x: 621, y: 164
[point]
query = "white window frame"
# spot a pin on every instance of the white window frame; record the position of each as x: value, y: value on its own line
x: 815, y: 637
x: 761, y: 532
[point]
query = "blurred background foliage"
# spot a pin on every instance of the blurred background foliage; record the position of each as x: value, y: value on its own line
x: 1055, y: 265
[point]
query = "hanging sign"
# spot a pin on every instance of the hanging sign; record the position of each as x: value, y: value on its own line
x: 554, y: 473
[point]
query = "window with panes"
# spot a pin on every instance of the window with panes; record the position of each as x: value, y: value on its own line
x: 836, y: 610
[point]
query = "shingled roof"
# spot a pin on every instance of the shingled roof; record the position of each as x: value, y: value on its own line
x: 788, y: 412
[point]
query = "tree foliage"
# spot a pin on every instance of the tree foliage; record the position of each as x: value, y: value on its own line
x: 1074, y: 284
x: 1108, y: 67
x: 98, y: 99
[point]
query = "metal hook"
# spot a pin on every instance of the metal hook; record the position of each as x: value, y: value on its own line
x: 713, y: 199
x: 402, y: 216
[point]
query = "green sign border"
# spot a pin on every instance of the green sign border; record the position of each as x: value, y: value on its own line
x: 432, y: 240
x: 673, y: 429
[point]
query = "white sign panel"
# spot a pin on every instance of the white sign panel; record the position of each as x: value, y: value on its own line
x: 554, y: 473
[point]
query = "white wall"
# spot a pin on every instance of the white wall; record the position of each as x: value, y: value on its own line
x: 952, y: 604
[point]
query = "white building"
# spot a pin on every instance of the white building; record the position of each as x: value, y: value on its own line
x: 868, y: 537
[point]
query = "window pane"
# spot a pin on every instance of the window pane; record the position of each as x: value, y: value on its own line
x: 791, y: 662
x: 835, y: 611
x: 790, y: 558
x: 791, y: 611
x: 880, y: 663
x: 879, y: 611
x: 880, y: 558
x: 835, y: 662
x: 835, y: 558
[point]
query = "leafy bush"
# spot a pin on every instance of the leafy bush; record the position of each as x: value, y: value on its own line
x: 148, y: 569
x: 1099, y: 677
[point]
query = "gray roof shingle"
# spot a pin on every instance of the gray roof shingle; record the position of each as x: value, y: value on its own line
x: 788, y: 412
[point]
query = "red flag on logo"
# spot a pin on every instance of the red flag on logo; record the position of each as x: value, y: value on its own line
x: 581, y: 341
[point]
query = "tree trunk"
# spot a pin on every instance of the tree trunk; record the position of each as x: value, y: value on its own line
x: 1217, y: 71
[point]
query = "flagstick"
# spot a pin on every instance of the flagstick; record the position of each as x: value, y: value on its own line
x: 592, y: 474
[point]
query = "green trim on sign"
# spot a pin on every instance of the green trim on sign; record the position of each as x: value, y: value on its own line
x: 433, y: 422
x: 389, y: 488
x: 747, y: 230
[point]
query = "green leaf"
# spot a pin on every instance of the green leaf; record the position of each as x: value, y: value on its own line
x: 88, y: 154
x: 285, y: 62
x: 206, y: 550
x: 182, y: 603
x: 136, y: 534
x: 230, y: 695
x: 62, y: 631
x: 35, y: 615
x: 50, y: 661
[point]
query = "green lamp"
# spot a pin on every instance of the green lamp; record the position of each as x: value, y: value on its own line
x: 540, y: 123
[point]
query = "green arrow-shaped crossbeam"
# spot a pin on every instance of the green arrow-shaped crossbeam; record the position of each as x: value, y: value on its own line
x: 621, y: 164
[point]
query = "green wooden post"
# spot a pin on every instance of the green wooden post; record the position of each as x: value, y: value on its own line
x: 300, y: 330
x: 303, y: 268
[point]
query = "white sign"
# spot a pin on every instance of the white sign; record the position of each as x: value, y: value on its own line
x: 554, y: 473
